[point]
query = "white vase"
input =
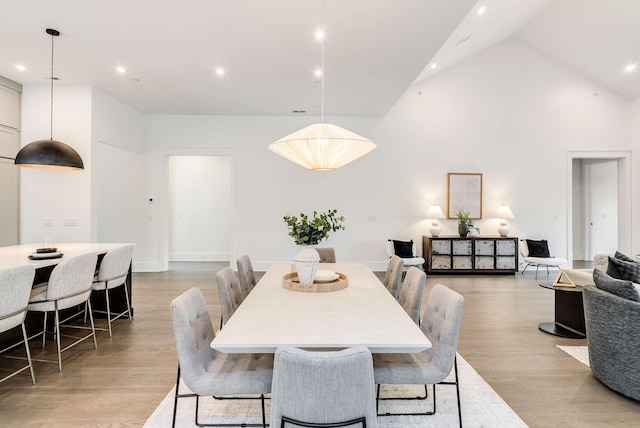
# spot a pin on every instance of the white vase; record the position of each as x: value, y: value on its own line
x: 306, y: 263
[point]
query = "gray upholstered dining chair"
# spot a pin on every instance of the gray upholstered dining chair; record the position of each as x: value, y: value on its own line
x: 441, y: 324
x: 230, y: 293
x: 207, y: 372
x: 323, y: 389
x: 411, y: 291
x: 69, y: 285
x: 246, y: 275
x: 15, y: 288
x: 327, y: 254
x: 393, y: 276
x: 112, y: 274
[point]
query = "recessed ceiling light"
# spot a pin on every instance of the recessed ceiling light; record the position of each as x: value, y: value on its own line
x: 21, y: 67
x: 481, y: 10
x: 121, y: 69
x: 630, y: 68
x: 318, y: 72
x: 220, y: 71
x: 434, y: 65
x: 319, y: 34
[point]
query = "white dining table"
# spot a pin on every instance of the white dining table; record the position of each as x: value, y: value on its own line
x: 363, y: 314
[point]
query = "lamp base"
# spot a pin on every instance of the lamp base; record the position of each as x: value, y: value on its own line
x: 435, y: 228
x: 503, y: 230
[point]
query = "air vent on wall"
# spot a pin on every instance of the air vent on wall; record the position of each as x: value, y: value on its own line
x: 463, y: 39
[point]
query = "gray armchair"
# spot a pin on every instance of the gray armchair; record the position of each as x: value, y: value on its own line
x: 211, y: 373
x: 323, y: 389
x: 246, y: 275
x: 393, y: 276
x: 441, y: 324
x: 411, y: 293
x: 613, y: 336
x: 327, y: 254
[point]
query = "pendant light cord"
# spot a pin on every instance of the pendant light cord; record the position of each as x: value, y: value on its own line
x: 51, y: 124
x: 322, y: 79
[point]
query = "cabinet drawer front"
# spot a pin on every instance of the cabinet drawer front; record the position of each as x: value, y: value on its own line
x: 441, y: 247
x: 440, y: 262
x: 484, y: 262
x: 484, y: 247
x: 504, y: 262
x: 506, y: 248
x: 462, y: 248
x: 462, y: 262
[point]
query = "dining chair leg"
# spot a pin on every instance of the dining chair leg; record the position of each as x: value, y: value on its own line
x: 57, y: 334
x: 93, y: 327
x: 126, y: 295
x: 26, y: 345
x: 175, y: 399
x: 106, y: 294
x: 44, y: 330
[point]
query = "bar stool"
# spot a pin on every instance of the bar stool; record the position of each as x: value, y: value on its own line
x: 15, y: 287
x: 69, y: 285
x: 113, y: 273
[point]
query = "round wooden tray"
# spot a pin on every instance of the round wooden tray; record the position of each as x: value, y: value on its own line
x: 290, y: 282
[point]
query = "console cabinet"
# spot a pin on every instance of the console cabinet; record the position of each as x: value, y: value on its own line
x: 484, y: 254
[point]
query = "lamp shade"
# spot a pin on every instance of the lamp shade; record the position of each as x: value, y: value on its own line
x: 435, y: 212
x: 50, y: 154
x: 322, y: 146
x: 504, y: 211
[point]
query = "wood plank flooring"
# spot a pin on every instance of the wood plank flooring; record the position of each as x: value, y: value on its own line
x: 122, y: 382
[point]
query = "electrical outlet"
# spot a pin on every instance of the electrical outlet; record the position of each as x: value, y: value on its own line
x: 71, y: 221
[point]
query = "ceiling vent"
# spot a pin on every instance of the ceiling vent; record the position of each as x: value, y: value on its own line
x: 463, y: 39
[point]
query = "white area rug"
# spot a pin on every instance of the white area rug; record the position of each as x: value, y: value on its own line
x: 580, y: 353
x: 481, y: 407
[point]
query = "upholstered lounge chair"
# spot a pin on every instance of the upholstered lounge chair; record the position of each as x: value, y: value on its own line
x: 538, y: 261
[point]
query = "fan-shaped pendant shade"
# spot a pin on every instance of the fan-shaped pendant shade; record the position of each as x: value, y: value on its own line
x: 322, y: 146
x: 49, y: 154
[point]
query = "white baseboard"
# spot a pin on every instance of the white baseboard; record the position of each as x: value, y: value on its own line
x: 198, y: 257
x: 147, y: 267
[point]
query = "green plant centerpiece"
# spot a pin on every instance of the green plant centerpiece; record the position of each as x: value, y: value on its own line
x: 310, y: 231
x: 463, y: 222
x: 307, y: 232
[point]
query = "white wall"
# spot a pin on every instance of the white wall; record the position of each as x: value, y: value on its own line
x: 635, y: 183
x: 508, y: 112
x: 200, y: 208
x: 57, y: 194
x: 120, y: 184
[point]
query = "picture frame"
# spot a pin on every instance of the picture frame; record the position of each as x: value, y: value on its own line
x: 464, y: 192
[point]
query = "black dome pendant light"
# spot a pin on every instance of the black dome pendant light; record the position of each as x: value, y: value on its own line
x: 50, y: 154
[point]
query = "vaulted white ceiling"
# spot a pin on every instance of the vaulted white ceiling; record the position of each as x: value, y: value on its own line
x: 374, y: 49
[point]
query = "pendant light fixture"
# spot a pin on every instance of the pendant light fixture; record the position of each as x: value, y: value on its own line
x: 50, y: 154
x: 322, y: 146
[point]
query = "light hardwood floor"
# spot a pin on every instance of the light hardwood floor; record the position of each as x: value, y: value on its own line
x: 122, y: 382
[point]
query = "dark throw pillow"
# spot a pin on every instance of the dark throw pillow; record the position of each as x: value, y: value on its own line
x: 403, y: 249
x: 619, y: 287
x: 629, y: 271
x: 618, y: 255
x: 538, y: 248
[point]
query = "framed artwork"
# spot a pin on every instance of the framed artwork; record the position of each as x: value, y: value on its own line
x: 464, y: 192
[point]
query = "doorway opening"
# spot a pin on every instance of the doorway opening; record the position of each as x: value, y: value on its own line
x: 599, y: 205
x: 200, y: 211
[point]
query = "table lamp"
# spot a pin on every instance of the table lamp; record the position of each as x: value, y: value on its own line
x: 435, y: 212
x: 503, y: 213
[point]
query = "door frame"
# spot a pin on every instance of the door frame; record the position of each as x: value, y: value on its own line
x: 165, y: 214
x: 624, y: 194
